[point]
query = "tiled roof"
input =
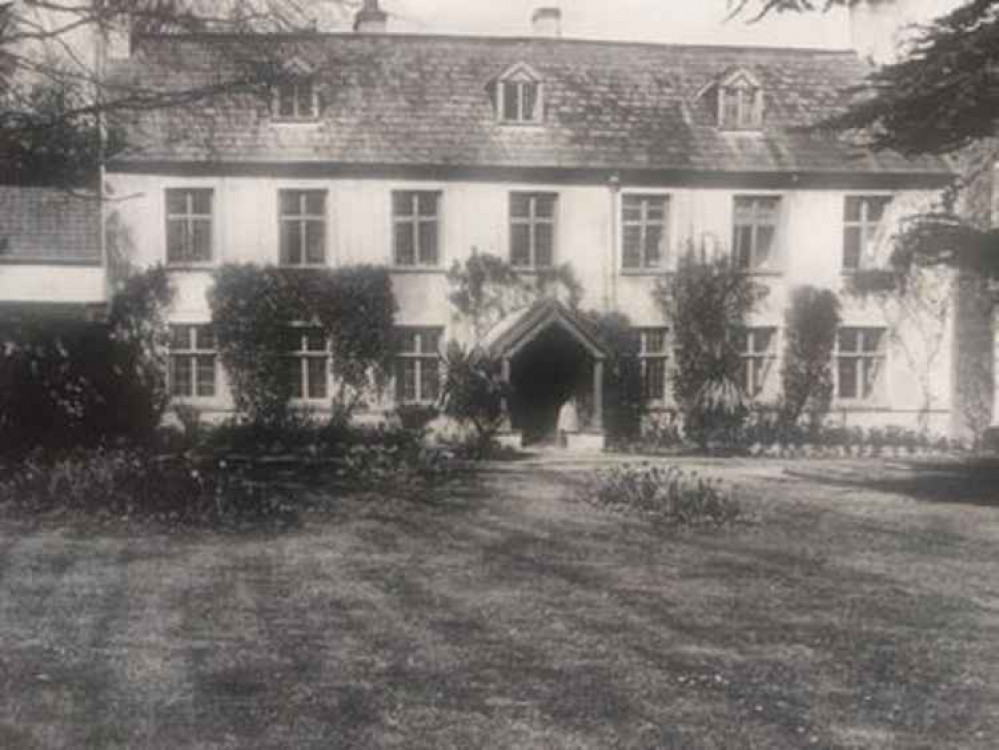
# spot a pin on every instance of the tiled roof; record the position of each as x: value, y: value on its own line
x: 393, y: 99
x: 47, y: 224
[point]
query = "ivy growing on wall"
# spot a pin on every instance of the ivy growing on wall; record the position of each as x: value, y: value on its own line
x: 253, y: 308
x: 811, y: 323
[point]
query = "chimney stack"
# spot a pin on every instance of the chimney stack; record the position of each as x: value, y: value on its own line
x: 370, y: 19
x: 547, y: 21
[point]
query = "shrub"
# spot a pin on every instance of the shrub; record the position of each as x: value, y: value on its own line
x: 706, y: 300
x: 473, y: 391
x: 667, y: 494
x: 811, y: 322
x: 416, y: 417
x: 624, y: 401
x: 65, y: 383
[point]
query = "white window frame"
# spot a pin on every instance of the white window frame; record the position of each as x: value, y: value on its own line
x: 869, y: 230
x: 191, y: 353
x: 303, y: 219
x: 421, y: 359
x: 520, y: 77
x: 533, y: 221
x: 187, y: 219
x: 771, y: 263
x: 414, y: 221
x: 879, y: 390
x: 751, y: 356
x: 643, y: 222
x: 748, y: 93
x: 300, y: 113
x: 302, y: 355
x: 649, y: 355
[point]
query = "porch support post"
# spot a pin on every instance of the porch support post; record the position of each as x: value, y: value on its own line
x: 598, y: 394
x: 507, y: 426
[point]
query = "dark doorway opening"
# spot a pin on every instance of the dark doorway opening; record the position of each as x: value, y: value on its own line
x: 543, y: 375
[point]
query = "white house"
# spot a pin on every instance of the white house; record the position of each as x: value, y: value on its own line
x: 414, y: 151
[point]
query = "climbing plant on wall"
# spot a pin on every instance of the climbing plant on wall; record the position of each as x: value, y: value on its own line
x: 253, y: 308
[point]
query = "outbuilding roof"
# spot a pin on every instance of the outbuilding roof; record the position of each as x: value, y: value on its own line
x: 393, y: 99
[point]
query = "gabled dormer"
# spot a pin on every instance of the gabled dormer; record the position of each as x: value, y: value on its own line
x: 736, y: 99
x: 518, y: 96
x: 295, y: 96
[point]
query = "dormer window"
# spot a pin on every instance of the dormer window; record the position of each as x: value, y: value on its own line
x: 295, y: 100
x: 295, y: 96
x: 740, y: 102
x: 518, y: 96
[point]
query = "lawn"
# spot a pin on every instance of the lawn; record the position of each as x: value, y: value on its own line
x: 861, y: 611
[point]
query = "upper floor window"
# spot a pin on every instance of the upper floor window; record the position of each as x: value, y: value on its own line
x: 652, y: 359
x: 532, y: 230
x: 189, y: 225
x: 740, y: 102
x: 518, y: 95
x: 644, y: 231
x: 192, y: 361
x: 416, y: 227
x: 417, y: 365
x: 295, y: 100
x: 860, y: 357
x: 863, y: 216
x: 757, y: 351
x: 308, y: 363
x: 754, y: 230
x: 303, y: 227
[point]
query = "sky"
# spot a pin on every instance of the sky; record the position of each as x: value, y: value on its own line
x: 674, y: 21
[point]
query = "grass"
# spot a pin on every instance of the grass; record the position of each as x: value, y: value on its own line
x: 860, y: 613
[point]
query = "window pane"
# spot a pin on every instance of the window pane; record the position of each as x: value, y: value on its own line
x: 632, y: 251
x: 656, y: 209
x: 315, y: 340
x: 176, y: 201
x: 520, y: 205
x: 317, y: 377
x: 655, y: 379
x: 511, y: 94
x: 653, y: 245
x: 764, y: 244
x: 430, y: 341
x: 655, y: 341
x: 872, y: 340
x: 848, y: 340
x: 428, y: 243
x: 545, y: 206
x: 402, y: 203
x: 176, y: 229
x: 315, y: 241
x: 295, y: 376
x: 631, y: 208
x: 409, y: 380
x: 730, y: 107
x: 872, y: 372
x: 202, y: 240
x: 743, y: 210
x: 851, y: 208
x: 292, y: 339
x: 315, y: 202
x: 431, y: 379
x: 290, y: 202
x: 406, y: 341
x: 851, y: 247
x: 405, y: 252
x: 876, y: 208
x: 286, y: 100
x: 427, y: 203
x: 206, y: 376
x: 180, y: 372
x: 520, y: 247
x: 762, y: 339
x: 742, y: 241
x: 544, y: 245
x: 740, y: 340
x: 847, y: 377
x: 202, y: 202
x: 291, y: 242
x: 303, y: 96
x: 530, y: 93
x: 180, y: 337
x: 205, y: 338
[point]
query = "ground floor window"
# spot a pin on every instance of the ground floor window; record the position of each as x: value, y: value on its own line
x: 652, y: 359
x: 192, y: 361
x: 308, y: 363
x: 757, y: 347
x: 417, y: 365
x: 860, y: 357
